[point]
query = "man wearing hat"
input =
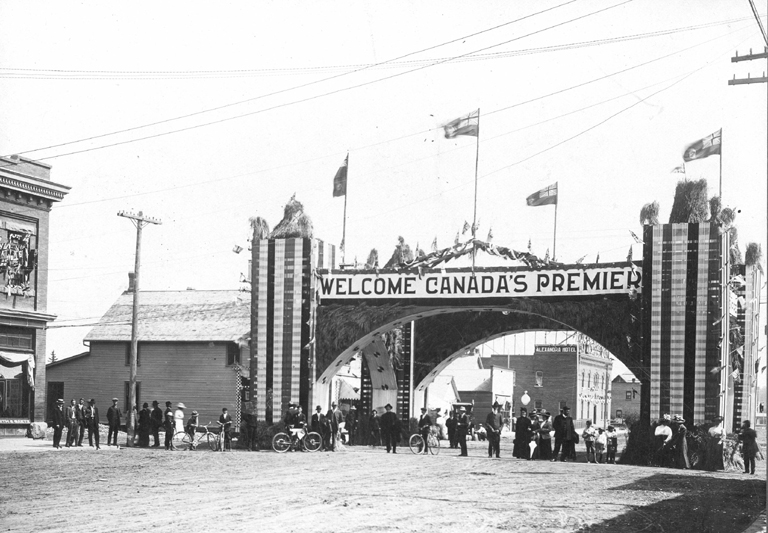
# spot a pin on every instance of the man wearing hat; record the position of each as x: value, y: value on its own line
x: 462, y: 428
x: 92, y: 419
x: 350, y: 423
x: 390, y: 429
x: 493, y: 424
x: 191, y: 428
x: 425, y: 426
x: 569, y: 436
x: 226, y: 427
x: 80, y: 413
x: 558, y: 424
x: 72, y: 425
x: 113, y: 417
x: 335, y: 418
x: 374, y: 427
x: 156, y: 422
x: 59, y: 419
x: 144, y: 425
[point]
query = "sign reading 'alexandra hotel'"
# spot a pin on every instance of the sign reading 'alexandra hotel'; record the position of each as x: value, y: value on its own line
x: 463, y: 284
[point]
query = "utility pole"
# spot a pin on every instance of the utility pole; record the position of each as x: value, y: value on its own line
x: 749, y: 57
x: 139, y: 220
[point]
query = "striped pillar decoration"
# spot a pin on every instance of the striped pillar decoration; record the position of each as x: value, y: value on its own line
x: 281, y: 297
x: 684, y: 276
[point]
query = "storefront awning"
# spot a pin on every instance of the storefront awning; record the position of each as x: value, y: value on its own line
x: 19, y: 358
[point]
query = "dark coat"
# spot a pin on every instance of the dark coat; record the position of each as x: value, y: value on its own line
x: 558, y: 424
x: 80, y: 413
x: 156, y: 417
x: 226, y: 421
x: 748, y: 437
x: 493, y: 422
x: 168, y: 419
x: 92, y: 414
x: 113, y: 416
x: 317, y: 422
x: 390, y: 423
x: 59, y: 418
x: 350, y: 420
x: 145, y: 419
x: 425, y: 421
x: 569, y: 432
x: 373, y: 423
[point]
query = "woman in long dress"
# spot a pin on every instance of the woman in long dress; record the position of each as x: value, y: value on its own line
x: 715, y: 436
x: 522, y: 448
x: 679, y: 443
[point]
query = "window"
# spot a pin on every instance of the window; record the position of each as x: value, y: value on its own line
x: 562, y: 404
x: 16, y: 338
x: 629, y: 395
x: 538, y: 404
x: 233, y: 354
x: 128, y: 354
x: 539, y: 378
x: 128, y: 397
x: 619, y: 413
x: 582, y: 379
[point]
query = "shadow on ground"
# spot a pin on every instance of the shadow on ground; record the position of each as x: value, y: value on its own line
x: 705, y: 503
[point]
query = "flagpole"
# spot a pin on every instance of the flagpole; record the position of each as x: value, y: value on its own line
x: 474, y: 214
x: 344, y: 225
x: 554, y: 244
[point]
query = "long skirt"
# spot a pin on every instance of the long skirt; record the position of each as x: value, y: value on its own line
x: 545, y: 448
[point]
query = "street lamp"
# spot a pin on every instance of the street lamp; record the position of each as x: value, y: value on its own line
x: 525, y: 399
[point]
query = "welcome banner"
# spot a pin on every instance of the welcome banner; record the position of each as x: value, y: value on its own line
x: 343, y: 285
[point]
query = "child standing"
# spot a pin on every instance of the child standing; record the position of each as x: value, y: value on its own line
x: 600, y: 443
x: 613, y: 442
x: 191, y: 428
x: 588, y: 435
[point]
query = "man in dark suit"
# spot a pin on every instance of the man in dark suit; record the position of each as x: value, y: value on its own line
x: 462, y: 428
x: 425, y: 426
x: 335, y: 418
x: 558, y: 424
x: 81, y: 422
x: 59, y: 420
x: 72, y: 425
x: 156, y: 422
x: 350, y: 424
x: 113, y: 417
x: 493, y: 429
x: 569, y: 436
x: 92, y: 419
x: 315, y: 422
x: 226, y: 426
x: 390, y: 429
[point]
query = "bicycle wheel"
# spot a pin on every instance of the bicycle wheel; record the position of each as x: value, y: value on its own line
x: 182, y: 441
x: 213, y: 441
x: 313, y: 441
x: 434, y: 445
x: 281, y: 442
x: 416, y: 443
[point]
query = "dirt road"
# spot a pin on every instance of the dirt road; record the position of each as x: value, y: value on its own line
x: 360, y: 489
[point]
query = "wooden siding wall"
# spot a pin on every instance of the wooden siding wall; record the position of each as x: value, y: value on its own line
x: 193, y: 373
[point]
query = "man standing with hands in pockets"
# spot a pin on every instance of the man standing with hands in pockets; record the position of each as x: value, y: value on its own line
x: 493, y: 428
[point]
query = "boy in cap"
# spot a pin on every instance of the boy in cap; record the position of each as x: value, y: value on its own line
x: 191, y: 428
x: 226, y: 426
x: 81, y: 421
x: 168, y: 426
x: 113, y: 417
x: 425, y: 426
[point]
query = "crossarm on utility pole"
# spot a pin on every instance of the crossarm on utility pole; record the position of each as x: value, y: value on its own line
x: 139, y: 220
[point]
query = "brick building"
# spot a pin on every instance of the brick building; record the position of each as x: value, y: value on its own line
x: 625, y: 397
x: 562, y: 374
x: 26, y: 196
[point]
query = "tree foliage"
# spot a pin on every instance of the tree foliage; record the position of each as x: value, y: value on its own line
x: 754, y: 255
x: 295, y: 223
x: 260, y: 227
x: 402, y: 254
x: 690, y: 204
x: 373, y: 259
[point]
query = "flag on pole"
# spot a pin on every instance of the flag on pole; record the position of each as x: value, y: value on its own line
x: 546, y: 256
x: 468, y: 125
x: 465, y: 228
x: 678, y: 170
x: 597, y: 259
x: 581, y: 259
x: 629, y: 254
x: 529, y: 245
x: 490, y: 234
x: 545, y: 196
x: 456, y: 240
x: 709, y: 145
x: 340, y: 180
x: 434, y: 244
x: 638, y: 240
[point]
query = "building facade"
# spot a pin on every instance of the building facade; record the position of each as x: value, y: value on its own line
x: 625, y: 397
x: 26, y: 197
x: 193, y: 348
x: 559, y: 375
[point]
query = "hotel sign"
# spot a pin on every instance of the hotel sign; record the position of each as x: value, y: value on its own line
x: 556, y: 348
x: 483, y: 284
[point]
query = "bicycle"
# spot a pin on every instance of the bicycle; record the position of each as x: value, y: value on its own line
x: 416, y: 443
x: 298, y: 439
x: 184, y: 441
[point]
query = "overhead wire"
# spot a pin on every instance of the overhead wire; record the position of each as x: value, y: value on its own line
x: 317, y: 96
x: 281, y: 91
x: 379, y: 143
x: 66, y: 74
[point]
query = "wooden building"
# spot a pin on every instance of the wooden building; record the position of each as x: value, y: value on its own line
x: 625, y: 397
x: 26, y: 197
x: 192, y: 348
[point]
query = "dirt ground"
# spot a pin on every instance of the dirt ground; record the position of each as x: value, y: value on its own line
x: 359, y: 489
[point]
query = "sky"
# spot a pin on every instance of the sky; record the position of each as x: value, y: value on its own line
x: 204, y: 117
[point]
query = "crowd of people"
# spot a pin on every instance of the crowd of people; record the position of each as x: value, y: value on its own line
x: 78, y: 417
